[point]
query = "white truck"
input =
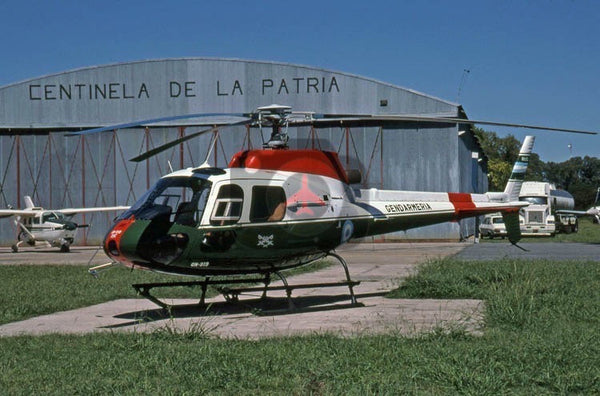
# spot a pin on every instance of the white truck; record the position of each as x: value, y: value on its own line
x: 541, y: 217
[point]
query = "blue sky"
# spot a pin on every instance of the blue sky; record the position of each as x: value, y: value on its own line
x: 529, y: 62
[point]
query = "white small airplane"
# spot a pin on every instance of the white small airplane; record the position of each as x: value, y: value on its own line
x: 53, y: 227
x: 593, y: 212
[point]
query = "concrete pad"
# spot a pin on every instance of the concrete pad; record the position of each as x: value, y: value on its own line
x: 379, y: 268
x: 79, y: 255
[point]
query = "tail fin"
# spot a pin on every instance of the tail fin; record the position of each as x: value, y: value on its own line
x: 28, y: 202
x: 513, y: 187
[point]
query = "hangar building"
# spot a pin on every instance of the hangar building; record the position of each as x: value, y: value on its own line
x: 57, y: 171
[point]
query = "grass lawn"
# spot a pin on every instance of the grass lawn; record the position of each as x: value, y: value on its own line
x: 542, y: 336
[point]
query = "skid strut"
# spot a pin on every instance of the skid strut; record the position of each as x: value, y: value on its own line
x: 232, y: 294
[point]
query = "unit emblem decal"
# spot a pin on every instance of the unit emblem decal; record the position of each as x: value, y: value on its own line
x: 265, y: 241
x: 347, y: 230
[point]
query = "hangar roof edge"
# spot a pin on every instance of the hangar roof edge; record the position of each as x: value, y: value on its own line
x: 231, y: 60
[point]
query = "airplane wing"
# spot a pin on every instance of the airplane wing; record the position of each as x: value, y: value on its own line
x: 18, y: 212
x: 73, y: 211
x: 573, y: 212
x: 66, y: 212
x: 589, y: 212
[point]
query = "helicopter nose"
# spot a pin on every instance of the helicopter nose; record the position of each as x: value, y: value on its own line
x: 114, y: 246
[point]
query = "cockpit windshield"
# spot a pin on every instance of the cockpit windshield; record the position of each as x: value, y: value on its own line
x: 182, y: 198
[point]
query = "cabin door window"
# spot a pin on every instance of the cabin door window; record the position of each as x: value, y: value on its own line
x: 268, y: 204
x: 228, y: 205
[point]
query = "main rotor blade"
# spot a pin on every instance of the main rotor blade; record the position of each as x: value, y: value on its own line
x: 173, y: 143
x: 165, y: 119
x: 325, y: 120
x: 166, y: 146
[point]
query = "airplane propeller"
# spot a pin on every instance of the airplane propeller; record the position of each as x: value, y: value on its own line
x: 69, y: 225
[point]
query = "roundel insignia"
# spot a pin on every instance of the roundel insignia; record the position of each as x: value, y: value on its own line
x: 347, y: 230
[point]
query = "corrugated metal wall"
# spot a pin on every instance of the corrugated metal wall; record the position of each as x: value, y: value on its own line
x: 60, y: 171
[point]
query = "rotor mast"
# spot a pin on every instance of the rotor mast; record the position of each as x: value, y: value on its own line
x: 277, y: 116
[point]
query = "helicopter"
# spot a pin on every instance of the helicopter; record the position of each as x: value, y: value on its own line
x: 54, y: 227
x: 277, y: 208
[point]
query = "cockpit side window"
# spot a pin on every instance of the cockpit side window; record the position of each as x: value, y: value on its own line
x: 268, y: 204
x: 228, y: 206
x: 50, y: 216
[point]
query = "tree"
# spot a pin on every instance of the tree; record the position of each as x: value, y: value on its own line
x: 498, y: 174
x: 502, y: 154
x: 579, y: 176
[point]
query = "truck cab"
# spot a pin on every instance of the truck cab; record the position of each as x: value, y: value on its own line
x: 540, y: 217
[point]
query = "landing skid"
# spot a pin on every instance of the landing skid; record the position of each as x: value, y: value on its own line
x: 144, y: 288
x: 232, y: 294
